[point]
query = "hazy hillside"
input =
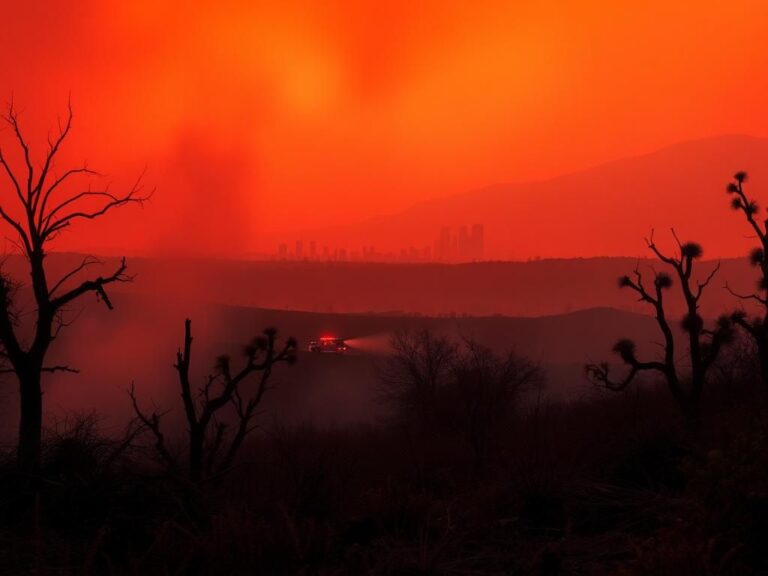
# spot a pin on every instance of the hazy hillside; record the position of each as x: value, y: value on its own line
x: 681, y: 185
x: 508, y: 288
x: 136, y: 343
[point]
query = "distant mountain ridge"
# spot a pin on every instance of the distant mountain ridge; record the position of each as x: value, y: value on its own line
x: 605, y: 210
x: 537, y: 288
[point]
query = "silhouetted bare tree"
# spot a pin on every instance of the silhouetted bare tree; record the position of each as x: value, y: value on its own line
x: 420, y: 364
x: 486, y: 389
x: 213, y: 443
x: 703, y: 344
x: 462, y: 388
x: 38, y: 206
x: 757, y: 326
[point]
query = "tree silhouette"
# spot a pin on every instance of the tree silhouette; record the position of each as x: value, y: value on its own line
x: 411, y: 377
x: 38, y: 207
x: 213, y: 443
x: 704, y: 344
x: 757, y: 326
x: 486, y: 390
x: 447, y: 387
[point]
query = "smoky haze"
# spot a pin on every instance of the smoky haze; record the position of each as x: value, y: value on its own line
x: 378, y: 344
x: 230, y: 302
x: 282, y: 116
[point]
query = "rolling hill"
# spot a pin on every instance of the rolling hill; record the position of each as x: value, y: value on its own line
x: 136, y: 343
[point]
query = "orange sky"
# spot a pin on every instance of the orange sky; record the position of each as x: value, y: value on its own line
x: 257, y: 118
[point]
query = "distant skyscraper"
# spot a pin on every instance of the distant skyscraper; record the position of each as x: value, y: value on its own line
x: 478, y: 241
x: 464, y: 246
x: 312, y: 249
x: 444, y: 244
x: 299, y: 249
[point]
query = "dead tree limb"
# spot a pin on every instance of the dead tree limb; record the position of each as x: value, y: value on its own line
x: 208, y: 435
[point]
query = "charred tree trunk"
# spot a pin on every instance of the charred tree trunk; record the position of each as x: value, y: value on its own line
x: 30, y: 421
x: 196, y: 452
x: 31, y: 368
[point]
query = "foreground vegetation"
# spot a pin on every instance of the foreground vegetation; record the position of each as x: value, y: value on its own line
x: 611, y: 486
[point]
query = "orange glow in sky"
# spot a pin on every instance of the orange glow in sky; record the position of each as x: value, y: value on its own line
x: 261, y: 118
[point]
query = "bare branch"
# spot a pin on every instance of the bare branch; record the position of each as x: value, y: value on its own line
x: 705, y: 283
x: 111, y: 198
x: 597, y: 374
x: 97, y: 285
x: 53, y: 148
x: 659, y: 254
x: 60, y: 368
x: 152, y: 423
x: 182, y: 367
x: 12, y: 119
x: 755, y: 297
x: 677, y: 240
x: 637, y: 286
x: 625, y: 349
x: 51, y: 225
x: 60, y: 324
x: 19, y: 229
x: 87, y: 261
x: 11, y: 177
x: 58, y: 182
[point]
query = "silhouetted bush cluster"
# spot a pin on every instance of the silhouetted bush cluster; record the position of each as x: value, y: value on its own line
x: 458, y: 389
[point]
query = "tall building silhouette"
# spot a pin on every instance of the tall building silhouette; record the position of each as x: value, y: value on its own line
x: 477, y: 241
x: 444, y: 244
x: 464, y: 246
